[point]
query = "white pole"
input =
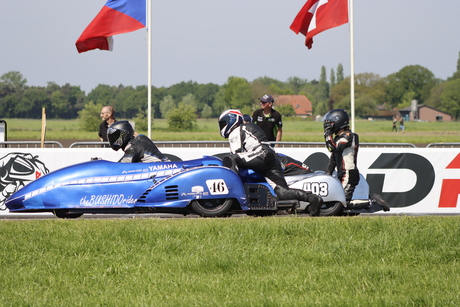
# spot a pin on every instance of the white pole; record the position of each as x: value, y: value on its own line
x: 352, y: 66
x: 149, y: 68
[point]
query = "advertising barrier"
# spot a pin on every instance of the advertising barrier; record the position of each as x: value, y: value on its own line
x: 411, y: 180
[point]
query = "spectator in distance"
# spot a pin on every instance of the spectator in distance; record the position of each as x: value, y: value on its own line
x: 108, y: 118
x: 268, y: 119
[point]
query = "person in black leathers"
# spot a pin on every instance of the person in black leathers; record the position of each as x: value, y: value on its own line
x: 250, y: 149
x: 344, y: 156
x: 137, y: 148
x: 344, y: 150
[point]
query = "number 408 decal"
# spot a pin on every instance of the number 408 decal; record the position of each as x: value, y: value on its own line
x: 217, y: 187
x: 318, y: 188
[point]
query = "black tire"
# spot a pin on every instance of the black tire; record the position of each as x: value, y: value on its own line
x: 64, y: 214
x: 212, y: 207
x: 333, y: 208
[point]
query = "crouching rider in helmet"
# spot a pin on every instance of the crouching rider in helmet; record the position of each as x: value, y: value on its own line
x: 250, y: 149
x: 343, y: 145
x: 137, y: 147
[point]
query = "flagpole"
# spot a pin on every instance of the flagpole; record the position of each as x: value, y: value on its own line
x: 352, y: 66
x: 149, y: 68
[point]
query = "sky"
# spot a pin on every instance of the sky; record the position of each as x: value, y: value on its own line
x: 207, y: 41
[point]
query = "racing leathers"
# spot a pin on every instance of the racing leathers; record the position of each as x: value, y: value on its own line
x: 142, y: 149
x: 250, y: 149
x: 344, y: 154
x: 292, y: 166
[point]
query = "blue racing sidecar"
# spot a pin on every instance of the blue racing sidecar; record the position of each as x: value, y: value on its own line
x: 202, y: 186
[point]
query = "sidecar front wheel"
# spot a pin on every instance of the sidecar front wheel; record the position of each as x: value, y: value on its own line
x: 64, y: 214
x: 212, y: 207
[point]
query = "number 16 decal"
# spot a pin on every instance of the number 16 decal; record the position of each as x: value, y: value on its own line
x: 217, y: 187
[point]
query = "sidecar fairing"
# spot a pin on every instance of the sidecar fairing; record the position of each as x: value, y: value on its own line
x: 201, y: 186
x: 331, y: 191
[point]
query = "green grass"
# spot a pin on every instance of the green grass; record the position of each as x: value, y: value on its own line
x: 295, y: 130
x: 291, y: 261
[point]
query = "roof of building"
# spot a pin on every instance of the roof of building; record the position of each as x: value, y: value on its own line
x: 301, y: 104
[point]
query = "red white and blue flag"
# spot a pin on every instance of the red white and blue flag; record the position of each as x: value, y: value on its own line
x: 317, y: 16
x: 116, y: 17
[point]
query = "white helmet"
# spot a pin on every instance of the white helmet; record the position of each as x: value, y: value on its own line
x: 228, y: 121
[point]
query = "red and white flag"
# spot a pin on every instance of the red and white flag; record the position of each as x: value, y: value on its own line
x: 317, y: 16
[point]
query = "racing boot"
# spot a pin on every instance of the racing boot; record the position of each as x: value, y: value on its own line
x: 358, y: 204
x: 315, y: 201
x: 376, y: 198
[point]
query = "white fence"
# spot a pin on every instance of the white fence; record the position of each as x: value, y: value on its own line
x: 412, y: 180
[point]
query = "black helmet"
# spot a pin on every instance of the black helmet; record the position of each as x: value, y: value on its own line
x: 119, y: 134
x: 228, y: 121
x: 335, y: 120
x: 247, y: 118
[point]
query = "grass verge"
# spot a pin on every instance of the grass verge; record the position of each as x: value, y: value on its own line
x: 294, y: 130
x: 291, y: 261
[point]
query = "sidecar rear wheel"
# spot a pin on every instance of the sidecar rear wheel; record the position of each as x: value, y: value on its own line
x: 332, y: 208
x: 64, y: 214
x: 212, y: 207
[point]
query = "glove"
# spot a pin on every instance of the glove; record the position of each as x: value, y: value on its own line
x: 330, y: 146
x: 328, y: 128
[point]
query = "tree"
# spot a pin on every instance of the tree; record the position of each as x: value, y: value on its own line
x: 369, y: 92
x: 413, y: 78
x: 141, y: 121
x: 267, y: 81
x: 450, y: 98
x: 242, y: 98
x: 205, y: 95
x: 258, y: 88
x: 207, y: 112
x: 285, y: 110
x: 12, y: 82
x: 220, y: 105
x: 58, y: 104
x: 370, y: 84
x: 456, y: 74
x: 128, y: 101
x: 182, y: 118
x: 406, y: 100
x: 103, y: 95
x: 323, y: 86
x: 235, y: 94
x: 89, y: 116
x: 365, y: 105
x: 166, y: 105
x: 435, y: 96
x: 340, y: 76
x: 7, y: 104
x: 296, y: 84
x: 332, y: 76
x: 31, y: 104
x: 189, y: 100
x: 74, y: 98
x: 179, y: 90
